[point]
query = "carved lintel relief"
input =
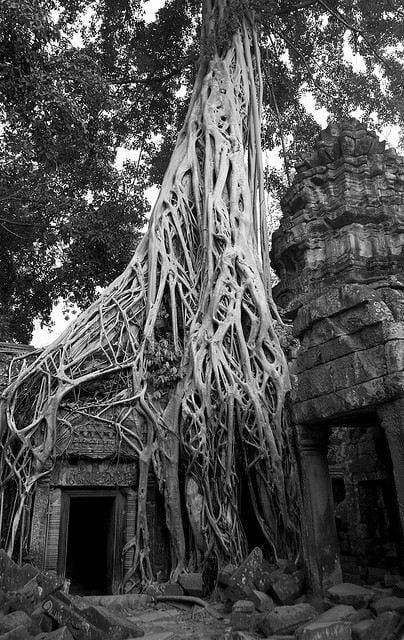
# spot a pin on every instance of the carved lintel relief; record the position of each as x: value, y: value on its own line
x: 100, y: 474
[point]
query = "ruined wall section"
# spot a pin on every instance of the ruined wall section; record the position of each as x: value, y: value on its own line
x: 339, y: 254
x: 343, y: 218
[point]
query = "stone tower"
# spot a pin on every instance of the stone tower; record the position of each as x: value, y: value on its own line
x: 339, y: 254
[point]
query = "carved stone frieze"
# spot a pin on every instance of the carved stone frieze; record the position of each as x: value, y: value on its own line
x: 91, y: 474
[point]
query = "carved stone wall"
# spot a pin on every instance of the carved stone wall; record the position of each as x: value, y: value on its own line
x: 342, y: 219
x: 339, y: 253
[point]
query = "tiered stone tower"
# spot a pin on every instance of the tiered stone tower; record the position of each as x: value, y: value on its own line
x: 339, y: 254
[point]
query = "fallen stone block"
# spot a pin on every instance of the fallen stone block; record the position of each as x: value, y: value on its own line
x: 26, y: 598
x: 387, y: 626
x: 336, y: 630
x: 13, y: 620
x: 393, y: 603
x: 338, y: 613
x: 61, y: 609
x: 245, y: 574
x: 41, y: 621
x: 348, y: 593
x: 51, y: 583
x: 242, y: 616
x: 286, y: 587
x: 285, y: 620
x: 361, y: 630
x: 111, y: 624
x: 19, y: 633
x: 262, y: 601
x: 62, y: 633
x: 263, y: 576
x: 192, y: 584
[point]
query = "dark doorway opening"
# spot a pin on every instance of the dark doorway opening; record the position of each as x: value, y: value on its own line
x: 366, y: 507
x: 89, y: 541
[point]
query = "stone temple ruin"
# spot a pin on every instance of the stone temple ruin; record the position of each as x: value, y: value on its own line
x: 339, y: 256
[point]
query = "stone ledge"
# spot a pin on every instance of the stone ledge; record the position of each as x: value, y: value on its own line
x: 340, y: 299
x: 366, y: 395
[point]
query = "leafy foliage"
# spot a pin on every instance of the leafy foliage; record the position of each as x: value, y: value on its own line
x: 69, y: 220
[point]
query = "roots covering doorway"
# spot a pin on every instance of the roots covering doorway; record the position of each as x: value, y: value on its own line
x: 90, y: 541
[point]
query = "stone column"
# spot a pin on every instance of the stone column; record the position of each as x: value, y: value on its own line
x: 391, y: 415
x: 39, y: 523
x: 319, y: 530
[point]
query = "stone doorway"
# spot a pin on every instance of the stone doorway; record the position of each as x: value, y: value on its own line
x: 365, y: 501
x: 89, y: 542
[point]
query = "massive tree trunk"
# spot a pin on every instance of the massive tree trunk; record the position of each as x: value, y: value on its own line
x: 181, y: 349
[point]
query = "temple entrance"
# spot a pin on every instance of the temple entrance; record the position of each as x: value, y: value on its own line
x: 89, y: 541
x: 366, y: 509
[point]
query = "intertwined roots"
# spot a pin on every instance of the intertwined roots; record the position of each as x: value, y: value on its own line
x: 179, y: 356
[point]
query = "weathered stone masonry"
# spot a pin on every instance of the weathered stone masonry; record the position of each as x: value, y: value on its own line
x: 339, y: 254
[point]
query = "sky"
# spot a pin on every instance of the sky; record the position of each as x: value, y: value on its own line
x: 44, y: 336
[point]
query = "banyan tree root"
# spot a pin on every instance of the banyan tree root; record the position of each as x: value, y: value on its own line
x: 179, y: 357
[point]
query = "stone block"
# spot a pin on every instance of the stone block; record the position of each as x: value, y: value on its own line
x: 361, y: 630
x: 338, y: 613
x: 285, y: 587
x: 25, y: 598
x: 19, y: 633
x: 244, y: 576
x: 65, y: 613
x: 192, y: 584
x: 263, y: 576
x: 13, y: 620
x: 50, y: 583
x: 336, y: 630
x: 262, y: 601
x: 111, y: 625
x: 352, y: 594
x: 393, y: 603
x: 242, y: 616
x: 42, y: 622
x: 62, y: 633
x: 387, y: 626
x: 286, y: 619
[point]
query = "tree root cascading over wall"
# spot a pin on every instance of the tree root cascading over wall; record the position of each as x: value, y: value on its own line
x: 179, y: 356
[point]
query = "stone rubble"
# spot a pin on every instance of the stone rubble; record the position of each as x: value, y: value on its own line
x: 35, y: 605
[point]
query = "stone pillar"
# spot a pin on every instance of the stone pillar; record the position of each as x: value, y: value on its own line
x: 39, y: 523
x: 391, y: 415
x: 319, y: 534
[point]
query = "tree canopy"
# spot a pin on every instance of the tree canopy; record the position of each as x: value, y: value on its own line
x: 79, y: 79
